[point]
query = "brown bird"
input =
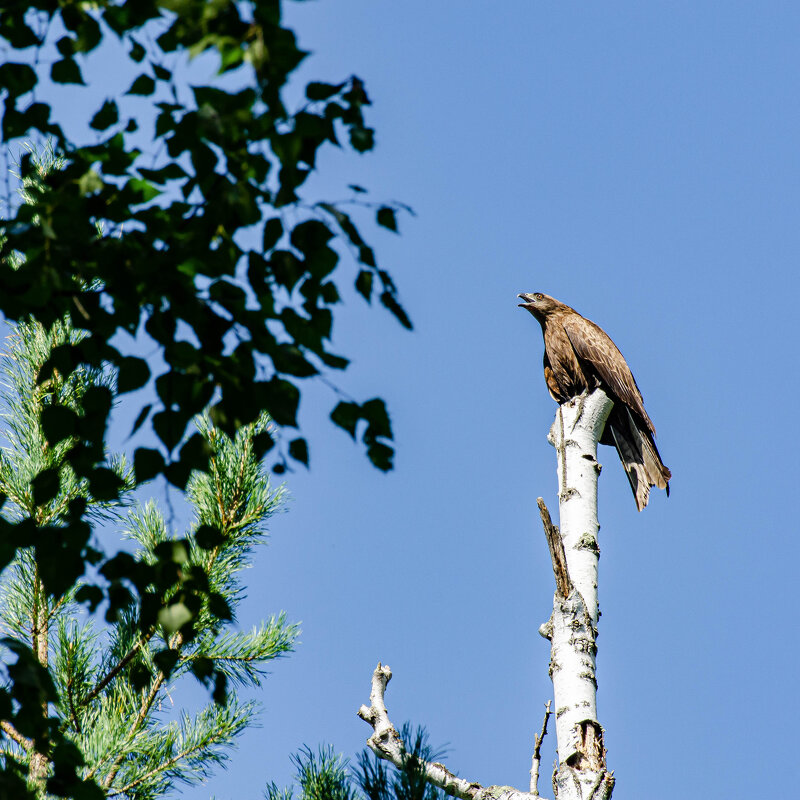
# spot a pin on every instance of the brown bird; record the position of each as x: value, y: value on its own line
x: 579, y: 355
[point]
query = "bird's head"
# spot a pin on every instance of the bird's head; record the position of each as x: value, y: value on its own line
x: 538, y: 304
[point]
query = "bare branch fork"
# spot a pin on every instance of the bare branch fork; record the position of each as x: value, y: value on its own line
x: 386, y: 743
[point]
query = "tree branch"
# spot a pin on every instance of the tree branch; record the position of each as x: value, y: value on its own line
x: 11, y: 731
x: 537, y: 746
x: 117, y: 668
x: 557, y: 554
x: 387, y: 743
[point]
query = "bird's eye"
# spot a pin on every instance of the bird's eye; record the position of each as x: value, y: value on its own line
x: 539, y: 296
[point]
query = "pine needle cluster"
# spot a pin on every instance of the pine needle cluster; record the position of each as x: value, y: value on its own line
x: 325, y: 775
x: 114, y: 686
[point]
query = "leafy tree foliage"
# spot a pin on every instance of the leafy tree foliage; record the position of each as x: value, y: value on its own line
x: 177, y: 221
x: 102, y: 689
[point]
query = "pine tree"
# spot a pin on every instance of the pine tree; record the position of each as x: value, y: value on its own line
x: 103, y: 686
x: 327, y: 776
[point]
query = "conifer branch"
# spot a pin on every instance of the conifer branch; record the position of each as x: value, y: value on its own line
x: 73, y: 714
x: 155, y: 771
x: 14, y: 734
x: 118, y: 667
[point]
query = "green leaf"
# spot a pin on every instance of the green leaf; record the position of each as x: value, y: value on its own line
x: 66, y: 71
x: 289, y: 359
x: 322, y: 91
x: 386, y: 218
x: 208, y: 537
x: 364, y: 284
x: 374, y: 411
x: 161, y: 73
x: 174, y: 617
x: 45, y: 486
x: 298, y: 450
x: 381, y: 456
x: 166, y: 660
x: 333, y: 361
x: 170, y: 172
x: 362, y: 139
x: 137, y: 52
x: 91, y: 595
x: 58, y: 423
x: 147, y: 463
x: 104, y: 484
x: 144, y: 189
x: 143, y: 85
x: 133, y: 374
x: 140, y: 419
x: 281, y: 400
x: 17, y: 78
x: 219, y: 607
x: 107, y: 116
x: 273, y: 230
x: 90, y: 182
x: 66, y: 46
x: 310, y: 236
x: 346, y: 415
x: 366, y: 256
x: 169, y: 427
x: 389, y: 300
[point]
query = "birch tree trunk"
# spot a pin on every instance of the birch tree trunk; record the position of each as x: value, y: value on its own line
x: 572, y: 629
x: 581, y: 773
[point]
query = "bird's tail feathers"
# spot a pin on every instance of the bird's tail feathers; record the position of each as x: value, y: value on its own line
x: 639, y: 456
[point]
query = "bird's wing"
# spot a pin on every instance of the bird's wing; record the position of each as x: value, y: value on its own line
x: 593, y: 345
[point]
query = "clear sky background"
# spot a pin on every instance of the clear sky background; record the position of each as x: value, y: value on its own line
x: 640, y: 162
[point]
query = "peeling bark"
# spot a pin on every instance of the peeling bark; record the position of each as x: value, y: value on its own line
x: 572, y: 629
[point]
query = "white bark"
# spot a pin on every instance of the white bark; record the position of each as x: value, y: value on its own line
x: 536, y: 759
x: 386, y: 743
x: 572, y: 629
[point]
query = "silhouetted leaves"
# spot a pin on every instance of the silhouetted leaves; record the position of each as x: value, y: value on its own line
x: 298, y: 450
x: 347, y: 416
x: 147, y: 463
x: 117, y: 242
x: 133, y: 374
x: 143, y: 85
x: 386, y: 217
x: 59, y: 422
x: 45, y: 486
x: 66, y: 71
x: 17, y: 78
x: 107, y: 116
x: 323, y: 91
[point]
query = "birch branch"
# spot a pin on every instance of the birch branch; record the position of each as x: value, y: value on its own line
x: 537, y: 746
x: 387, y: 743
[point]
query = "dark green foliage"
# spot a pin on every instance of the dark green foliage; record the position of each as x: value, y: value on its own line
x: 81, y: 705
x: 378, y: 782
x: 347, y: 415
x: 327, y: 776
x: 204, y: 247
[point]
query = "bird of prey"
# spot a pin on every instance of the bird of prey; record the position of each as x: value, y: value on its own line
x: 579, y: 356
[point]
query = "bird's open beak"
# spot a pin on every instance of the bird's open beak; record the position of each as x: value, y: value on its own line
x: 527, y: 297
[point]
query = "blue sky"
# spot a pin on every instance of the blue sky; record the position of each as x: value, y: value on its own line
x: 640, y: 162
